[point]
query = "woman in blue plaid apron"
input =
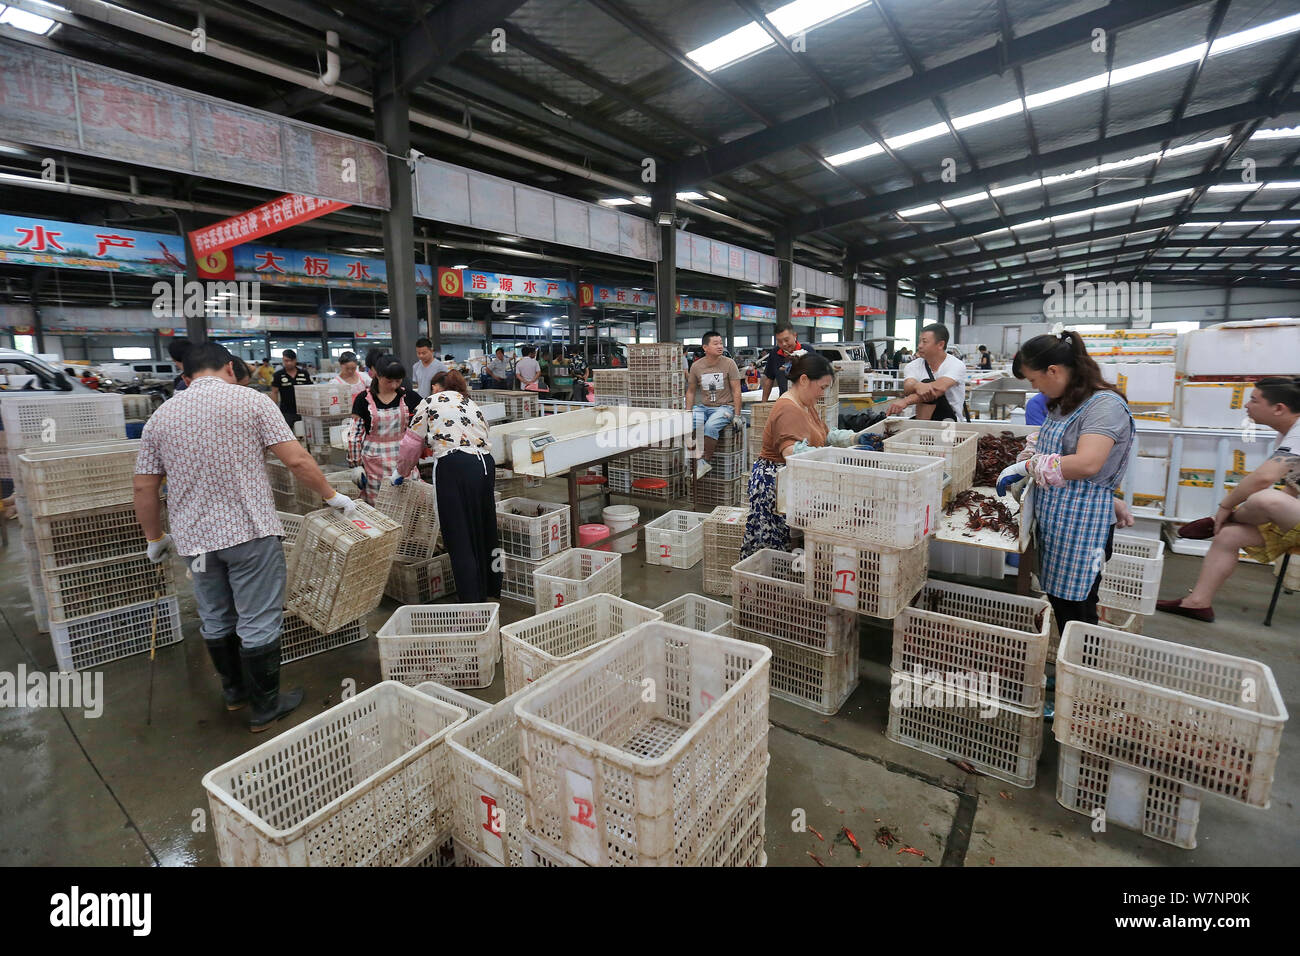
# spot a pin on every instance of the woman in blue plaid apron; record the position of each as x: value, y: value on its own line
x: 1077, y: 461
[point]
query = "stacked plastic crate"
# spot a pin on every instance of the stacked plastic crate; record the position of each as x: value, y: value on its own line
x: 529, y: 532
x: 339, y: 566
x: 322, y: 407
x: 1147, y: 727
x: 654, y: 379
x: 519, y: 405
x: 727, y: 482
x: 610, y: 385
x: 723, y: 533
x: 421, y: 571
x: 967, y: 678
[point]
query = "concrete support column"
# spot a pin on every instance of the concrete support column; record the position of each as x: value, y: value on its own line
x: 849, y: 330
x: 785, y: 276
x: 393, y: 130
x: 891, y: 304
x: 663, y: 202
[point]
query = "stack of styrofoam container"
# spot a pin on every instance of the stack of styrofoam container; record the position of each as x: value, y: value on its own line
x: 1145, y: 345
x: 519, y: 405
x: 529, y: 532
x: 610, y: 385
x: 722, y: 533
x: 420, y: 573
x: 675, y: 539
x: 1216, y: 369
x: 1149, y: 724
x: 366, y: 783
x: 967, y: 678
x: 814, y: 646
x: 616, y: 777
x: 575, y: 574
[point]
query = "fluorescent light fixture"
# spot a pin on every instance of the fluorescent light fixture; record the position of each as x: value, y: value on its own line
x: 460, y: 267
x: 616, y: 201
x: 689, y: 196
x: 1283, y: 184
x: 330, y: 312
x: 30, y: 22
x: 789, y: 20
x: 1092, y: 84
x: 384, y: 311
x: 1285, y: 132
x: 1235, y: 188
x: 718, y: 196
x: 919, y: 210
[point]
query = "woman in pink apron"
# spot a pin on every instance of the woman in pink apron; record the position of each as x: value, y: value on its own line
x: 380, y: 417
x: 356, y: 381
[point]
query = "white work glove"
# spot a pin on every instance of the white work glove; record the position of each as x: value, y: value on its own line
x: 343, y: 503
x: 359, y: 476
x: 161, y: 548
x: 395, y: 478
x: 1011, y: 475
x: 799, y: 448
x: 841, y: 437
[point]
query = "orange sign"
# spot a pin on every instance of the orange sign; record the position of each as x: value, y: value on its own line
x: 216, y: 265
x: 449, y: 282
x: 586, y: 295
x: 270, y: 217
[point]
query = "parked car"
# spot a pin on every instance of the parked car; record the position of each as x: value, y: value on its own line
x: 26, y: 373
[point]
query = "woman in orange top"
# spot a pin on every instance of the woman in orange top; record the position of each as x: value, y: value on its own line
x: 793, y: 426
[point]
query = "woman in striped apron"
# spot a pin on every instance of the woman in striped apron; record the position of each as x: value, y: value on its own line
x: 380, y: 416
x: 1077, y: 462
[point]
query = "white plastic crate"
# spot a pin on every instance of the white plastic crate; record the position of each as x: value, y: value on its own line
x: 318, y: 401
x: 1133, y: 799
x: 338, y: 567
x: 675, y: 539
x: 616, y: 779
x: 449, y: 695
x: 362, y: 784
x: 768, y: 596
x: 96, y: 639
x: 956, y: 447
x: 727, y: 465
x: 316, y: 428
x: 864, y: 497
x: 517, y: 579
x: 696, y: 612
x: 574, y: 575
x: 952, y: 631
x: 995, y: 738
x: 654, y: 384
x: 66, y: 478
x: 609, y: 381
x: 537, y: 645
x: 952, y: 557
x: 421, y: 582
x: 414, y: 506
x: 292, y: 524
x: 819, y: 681
x: 1212, y: 721
x: 1130, y: 580
x: 101, y: 586
x: 723, y: 533
x: 710, y: 492
x: 298, y: 639
x: 68, y: 420
x: 532, y: 535
x: 656, y: 462
x: 875, y: 581
x: 137, y: 407
x: 440, y: 853
x: 80, y: 537
x: 454, y: 644
x: 519, y: 405
x: 307, y: 500
x: 654, y: 357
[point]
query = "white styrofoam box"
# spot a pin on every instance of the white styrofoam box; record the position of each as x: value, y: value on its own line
x: 1198, y: 498
x: 1130, y: 354
x: 1148, y: 477
x: 1146, y: 382
x: 1263, y: 347
x: 1213, y: 404
x: 1147, y: 339
x: 1201, y: 453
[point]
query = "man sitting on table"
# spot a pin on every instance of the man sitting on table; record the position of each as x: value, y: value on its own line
x: 935, y: 382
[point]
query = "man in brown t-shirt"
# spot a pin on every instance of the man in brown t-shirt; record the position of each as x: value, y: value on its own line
x: 713, y: 395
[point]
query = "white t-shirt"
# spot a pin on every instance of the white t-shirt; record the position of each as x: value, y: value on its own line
x: 526, y: 369
x: 953, y: 368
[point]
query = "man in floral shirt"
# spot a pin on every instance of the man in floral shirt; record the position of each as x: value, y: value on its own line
x: 209, y: 441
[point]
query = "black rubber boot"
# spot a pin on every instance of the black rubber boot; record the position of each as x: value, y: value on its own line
x: 262, y: 671
x: 225, y: 657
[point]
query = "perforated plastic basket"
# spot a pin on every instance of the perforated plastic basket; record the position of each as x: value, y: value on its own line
x: 1133, y: 799
x: 1130, y: 580
x: 820, y: 681
x: 453, y: 644
x: 95, y: 588
x: 449, y: 695
x: 362, y: 784
x: 655, y: 384
x: 957, y: 447
x: 698, y: 613
x: 518, y: 404
x: 614, y: 778
x: 316, y: 428
x: 421, y: 582
x: 874, y: 581
x: 654, y: 357
x: 412, y: 505
x: 68, y: 420
x: 292, y: 524
x: 517, y: 579
x: 1212, y: 721
x: 531, y: 535
x: 609, y: 381
x: 80, y: 537
x: 316, y: 401
x: 728, y: 465
x: 60, y: 480
x: 995, y: 738
x: 307, y: 500
x: 537, y: 645
x: 864, y: 497
x: 96, y: 639
x: 574, y: 575
x: 768, y: 597
x: 339, y: 566
x: 298, y: 639
x: 675, y: 539
x: 951, y: 629
x: 656, y: 462
x: 713, y: 492
x: 723, y: 533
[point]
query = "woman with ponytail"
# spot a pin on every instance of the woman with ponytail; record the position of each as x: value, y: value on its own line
x: 380, y: 416
x: 1079, y: 456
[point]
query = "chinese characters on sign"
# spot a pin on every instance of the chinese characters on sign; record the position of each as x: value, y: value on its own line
x: 70, y: 245
x: 261, y: 221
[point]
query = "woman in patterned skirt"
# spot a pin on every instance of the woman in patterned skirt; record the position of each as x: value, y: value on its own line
x: 464, y: 479
x: 793, y: 426
x: 380, y: 416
